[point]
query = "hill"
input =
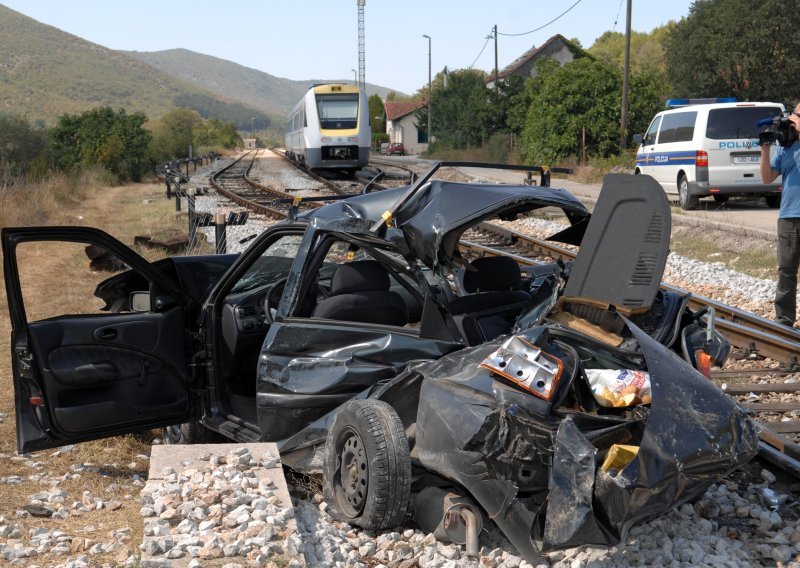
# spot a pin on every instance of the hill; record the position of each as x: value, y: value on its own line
x: 260, y: 90
x: 45, y: 72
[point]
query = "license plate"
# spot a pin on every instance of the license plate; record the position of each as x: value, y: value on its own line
x: 747, y: 160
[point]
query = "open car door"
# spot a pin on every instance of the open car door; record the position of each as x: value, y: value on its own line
x: 99, y: 369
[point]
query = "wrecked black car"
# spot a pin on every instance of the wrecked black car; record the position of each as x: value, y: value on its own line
x: 561, y: 401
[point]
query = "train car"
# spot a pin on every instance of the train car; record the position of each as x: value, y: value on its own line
x: 329, y: 129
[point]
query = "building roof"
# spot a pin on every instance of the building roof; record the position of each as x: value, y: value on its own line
x: 532, y: 53
x: 395, y: 110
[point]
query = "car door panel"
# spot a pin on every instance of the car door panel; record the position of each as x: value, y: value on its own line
x: 94, y: 383
x: 311, y: 366
x: 80, y: 377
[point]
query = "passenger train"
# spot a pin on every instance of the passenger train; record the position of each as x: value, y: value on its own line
x: 329, y: 129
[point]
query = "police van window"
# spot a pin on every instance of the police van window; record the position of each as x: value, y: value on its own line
x: 737, y: 122
x: 677, y: 127
x: 650, y: 137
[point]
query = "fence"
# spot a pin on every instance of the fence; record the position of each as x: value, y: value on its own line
x: 175, y: 181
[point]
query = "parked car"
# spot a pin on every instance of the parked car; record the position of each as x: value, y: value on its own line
x: 396, y: 148
x: 710, y: 148
x: 358, y: 337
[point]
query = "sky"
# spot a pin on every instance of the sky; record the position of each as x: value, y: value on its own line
x: 318, y: 39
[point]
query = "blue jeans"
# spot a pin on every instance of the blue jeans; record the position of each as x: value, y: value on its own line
x: 788, y: 263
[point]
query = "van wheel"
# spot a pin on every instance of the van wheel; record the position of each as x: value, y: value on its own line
x: 688, y: 202
x: 773, y: 200
x: 367, y: 466
x: 637, y: 172
x: 721, y: 198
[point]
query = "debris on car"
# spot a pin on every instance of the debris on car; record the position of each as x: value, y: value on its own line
x: 564, y: 406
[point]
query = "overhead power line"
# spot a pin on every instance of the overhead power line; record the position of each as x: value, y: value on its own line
x: 481, y: 53
x: 545, y: 25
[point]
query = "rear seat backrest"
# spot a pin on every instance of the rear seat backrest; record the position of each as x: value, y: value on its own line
x: 492, y: 274
x: 360, y: 292
x: 495, y: 302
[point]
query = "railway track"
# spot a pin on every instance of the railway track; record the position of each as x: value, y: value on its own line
x: 753, y: 335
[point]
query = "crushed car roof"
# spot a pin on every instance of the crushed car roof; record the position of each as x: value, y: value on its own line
x: 434, y: 217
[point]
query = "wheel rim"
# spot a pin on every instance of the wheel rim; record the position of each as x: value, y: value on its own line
x: 352, y: 474
x: 172, y: 434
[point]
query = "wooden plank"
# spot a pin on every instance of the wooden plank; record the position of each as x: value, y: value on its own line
x: 781, y: 443
x: 772, y: 406
x: 790, y: 427
x: 747, y: 388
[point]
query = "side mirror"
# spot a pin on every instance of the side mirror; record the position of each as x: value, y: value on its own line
x: 638, y: 138
x: 140, y: 302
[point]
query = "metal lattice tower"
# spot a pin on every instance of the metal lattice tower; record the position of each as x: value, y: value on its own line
x: 361, y: 55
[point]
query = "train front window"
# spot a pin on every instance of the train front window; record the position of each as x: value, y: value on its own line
x: 338, y: 112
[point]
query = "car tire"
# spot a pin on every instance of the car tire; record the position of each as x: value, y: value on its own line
x: 688, y: 202
x: 367, y: 467
x: 721, y: 198
x: 773, y: 200
x: 188, y: 433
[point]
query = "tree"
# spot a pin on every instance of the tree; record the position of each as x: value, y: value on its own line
x: 174, y: 132
x: 375, y: 104
x: 21, y: 147
x: 461, y: 114
x: 115, y: 140
x: 215, y: 133
x: 738, y: 48
x: 647, y: 49
x: 584, y: 94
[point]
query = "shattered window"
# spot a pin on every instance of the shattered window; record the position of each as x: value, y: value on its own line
x: 273, y: 265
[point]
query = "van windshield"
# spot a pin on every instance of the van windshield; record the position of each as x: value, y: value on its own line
x: 737, y: 122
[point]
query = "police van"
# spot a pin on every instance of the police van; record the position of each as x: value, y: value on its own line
x: 703, y: 147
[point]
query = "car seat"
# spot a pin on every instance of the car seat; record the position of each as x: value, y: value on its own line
x: 360, y: 292
x: 493, y: 302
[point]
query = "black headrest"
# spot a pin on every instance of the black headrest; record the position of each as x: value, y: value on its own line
x: 359, y: 276
x: 492, y: 273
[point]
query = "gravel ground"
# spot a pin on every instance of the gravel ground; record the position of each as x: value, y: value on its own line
x: 741, y: 521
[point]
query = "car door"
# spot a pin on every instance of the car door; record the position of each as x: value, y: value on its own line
x: 81, y: 370
x: 312, y: 363
x: 644, y: 157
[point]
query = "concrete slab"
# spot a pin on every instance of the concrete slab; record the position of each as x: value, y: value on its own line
x: 180, y: 457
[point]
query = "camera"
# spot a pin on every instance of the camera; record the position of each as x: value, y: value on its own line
x: 779, y: 129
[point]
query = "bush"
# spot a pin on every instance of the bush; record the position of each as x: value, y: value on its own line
x: 498, y: 149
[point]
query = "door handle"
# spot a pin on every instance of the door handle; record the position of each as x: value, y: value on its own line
x: 105, y: 334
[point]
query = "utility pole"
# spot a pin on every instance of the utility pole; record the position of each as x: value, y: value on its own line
x: 362, y: 80
x: 623, y: 122
x: 494, y: 32
x: 430, y: 136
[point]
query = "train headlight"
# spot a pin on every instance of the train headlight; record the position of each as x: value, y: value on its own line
x: 324, y: 139
x: 352, y: 139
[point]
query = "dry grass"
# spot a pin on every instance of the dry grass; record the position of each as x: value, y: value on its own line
x: 56, y: 280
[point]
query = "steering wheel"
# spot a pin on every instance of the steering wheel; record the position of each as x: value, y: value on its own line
x: 273, y: 298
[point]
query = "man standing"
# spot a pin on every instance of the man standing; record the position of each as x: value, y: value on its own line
x: 786, y: 162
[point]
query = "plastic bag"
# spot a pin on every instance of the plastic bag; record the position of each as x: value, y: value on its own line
x: 619, y: 388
